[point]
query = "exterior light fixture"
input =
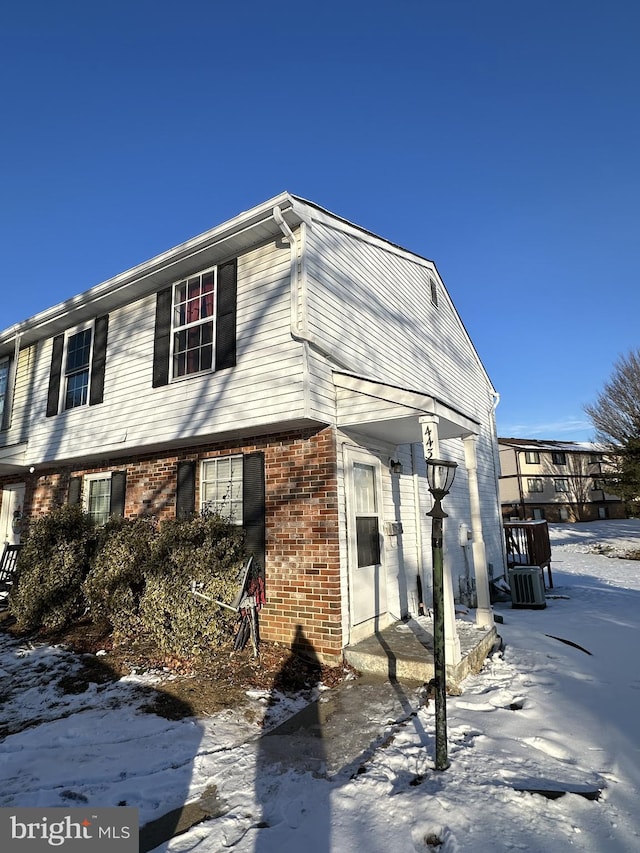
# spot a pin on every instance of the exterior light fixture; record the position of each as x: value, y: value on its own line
x: 440, y: 477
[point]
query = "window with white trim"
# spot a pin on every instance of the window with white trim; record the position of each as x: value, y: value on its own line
x: 76, y: 369
x: 221, y: 487
x: 96, y: 497
x: 193, y: 324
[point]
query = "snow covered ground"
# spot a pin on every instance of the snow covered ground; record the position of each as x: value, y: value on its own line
x: 542, y: 713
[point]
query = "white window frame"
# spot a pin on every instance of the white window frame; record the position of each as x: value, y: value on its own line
x: 65, y: 374
x: 86, y: 494
x: 177, y: 328
x: 233, y: 508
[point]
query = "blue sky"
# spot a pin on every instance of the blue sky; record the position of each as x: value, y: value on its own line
x: 499, y: 138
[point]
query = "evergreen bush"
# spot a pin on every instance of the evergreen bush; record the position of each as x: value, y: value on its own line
x: 208, y: 550
x: 116, y: 581
x: 47, y: 591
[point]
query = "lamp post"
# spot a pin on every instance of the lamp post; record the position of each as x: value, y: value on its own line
x: 440, y: 476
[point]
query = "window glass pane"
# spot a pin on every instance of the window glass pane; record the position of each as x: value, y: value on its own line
x: 99, y: 500
x: 368, y: 541
x: 79, y: 351
x: 364, y: 486
x: 77, y: 388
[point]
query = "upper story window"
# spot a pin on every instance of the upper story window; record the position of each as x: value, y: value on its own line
x: 193, y: 324
x: 597, y: 484
x: 532, y: 457
x: 4, y: 383
x: 534, y: 484
x: 77, y: 366
x: 78, y: 361
x: 221, y: 487
x: 594, y: 458
x: 561, y: 485
x: 559, y: 458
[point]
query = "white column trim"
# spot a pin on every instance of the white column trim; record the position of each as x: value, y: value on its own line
x: 484, y: 613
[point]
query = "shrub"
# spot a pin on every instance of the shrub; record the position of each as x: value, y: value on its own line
x: 47, y: 591
x: 115, y: 583
x: 207, y: 550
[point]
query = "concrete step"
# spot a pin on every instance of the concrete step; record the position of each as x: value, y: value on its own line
x: 404, y: 651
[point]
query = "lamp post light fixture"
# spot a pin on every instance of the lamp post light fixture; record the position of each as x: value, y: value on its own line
x: 440, y: 476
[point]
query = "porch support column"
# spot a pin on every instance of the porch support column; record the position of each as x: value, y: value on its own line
x: 453, y: 655
x: 484, y: 613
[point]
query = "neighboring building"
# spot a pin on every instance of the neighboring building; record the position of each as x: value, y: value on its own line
x: 554, y: 480
x: 290, y: 369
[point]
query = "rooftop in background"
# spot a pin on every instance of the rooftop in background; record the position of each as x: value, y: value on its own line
x: 538, y: 444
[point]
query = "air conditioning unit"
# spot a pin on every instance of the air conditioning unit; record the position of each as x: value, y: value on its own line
x: 527, y: 587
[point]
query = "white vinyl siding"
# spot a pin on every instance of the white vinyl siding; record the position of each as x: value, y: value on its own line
x: 264, y: 388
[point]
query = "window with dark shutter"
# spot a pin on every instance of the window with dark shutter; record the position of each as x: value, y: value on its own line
x: 5, y: 392
x: 98, y: 363
x: 226, y: 315
x: 195, y: 325
x: 75, y: 490
x: 55, y: 375
x: 118, y: 493
x: 186, y: 490
x: 162, y: 338
x: 253, y: 506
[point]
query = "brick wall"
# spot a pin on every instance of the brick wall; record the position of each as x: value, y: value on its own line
x: 302, y: 552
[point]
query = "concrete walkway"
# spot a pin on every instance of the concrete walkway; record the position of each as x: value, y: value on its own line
x: 332, y: 737
x: 336, y: 735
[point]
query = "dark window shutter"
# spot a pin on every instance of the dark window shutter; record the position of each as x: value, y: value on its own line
x: 118, y: 492
x: 227, y: 286
x: 162, y: 338
x: 253, y: 508
x: 96, y: 391
x: 8, y: 397
x: 75, y: 490
x: 186, y: 490
x: 55, y: 374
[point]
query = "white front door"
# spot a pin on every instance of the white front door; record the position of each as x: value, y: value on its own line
x: 367, y: 579
x: 10, y: 514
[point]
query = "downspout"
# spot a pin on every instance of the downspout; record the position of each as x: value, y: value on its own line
x: 496, y: 448
x: 299, y: 316
x: 296, y: 300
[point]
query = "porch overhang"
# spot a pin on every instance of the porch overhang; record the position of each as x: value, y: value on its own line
x: 391, y: 413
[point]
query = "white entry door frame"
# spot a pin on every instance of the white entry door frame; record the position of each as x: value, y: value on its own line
x: 11, y: 511
x: 367, y: 575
